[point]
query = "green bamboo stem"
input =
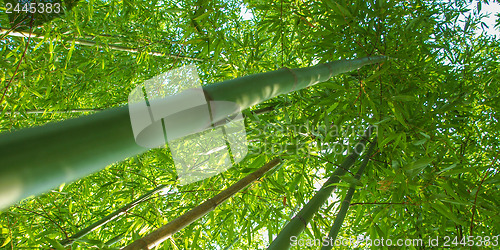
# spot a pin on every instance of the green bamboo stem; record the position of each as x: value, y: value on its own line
x: 298, y: 223
x: 110, y: 217
x: 337, y: 224
x: 84, y: 42
x: 33, y: 111
x: 37, y: 159
x: 161, y: 234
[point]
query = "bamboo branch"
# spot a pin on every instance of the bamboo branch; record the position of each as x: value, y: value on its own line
x: 92, y: 43
x: 110, y: 217
x: 161, y: 234
x: 29, y: 35
x: 298, y: 223
x: 45, y: 216
x: 332, y: 235
x: 41, y: 111
x: 477, y: 192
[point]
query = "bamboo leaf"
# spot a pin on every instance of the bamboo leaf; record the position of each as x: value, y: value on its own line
x: 203, y: 16
x: 351, y: 180
x: 420, y: 142
x: 442, y: 209
x: 405, y: 98
x: 70, y: 53
x: 452, y: 166
x: 343, y: 10
x: 7, y: 240
x: 55, y: 244
x: 420, y: 164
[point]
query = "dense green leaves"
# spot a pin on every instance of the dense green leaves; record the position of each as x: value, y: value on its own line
x: 435, y: 107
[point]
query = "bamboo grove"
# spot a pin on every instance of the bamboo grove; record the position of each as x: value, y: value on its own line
x: 365, y: 120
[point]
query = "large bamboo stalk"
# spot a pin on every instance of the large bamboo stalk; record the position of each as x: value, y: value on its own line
x: 161, y: 234
x: 337, y: 224
x: 110, y: 217
x: 298, y: 223
x: 37, y: 159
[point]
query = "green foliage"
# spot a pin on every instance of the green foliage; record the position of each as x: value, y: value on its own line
x: 435, y: 107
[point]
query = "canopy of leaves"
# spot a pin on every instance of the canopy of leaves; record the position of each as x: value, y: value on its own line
x: 435, y: 107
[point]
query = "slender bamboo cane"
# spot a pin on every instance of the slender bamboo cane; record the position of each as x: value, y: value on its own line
x: 332, y: 236
x: 161, y: 234
x: 90, y: 110
x: 92, y: 43
x: 34, y: 111
x: 37, y: 159
x: 298, y: 223
x: 110, y: 217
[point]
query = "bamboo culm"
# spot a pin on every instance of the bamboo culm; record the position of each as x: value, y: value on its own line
x: 84, y: 42
x: 337, y: 224
x: 34, y: 160
x: 161, y: 234
x: 110, y: 217
x: 299, y: 222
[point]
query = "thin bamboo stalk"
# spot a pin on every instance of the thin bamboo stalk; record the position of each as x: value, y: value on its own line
x: 110, y: 217
x: 161, y: 234
x: 92, y: 43
x: 41, y: 111
x: 37, y: 111
x: 37, y: 159
x: 298, y: 223
x: 337, y: 224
